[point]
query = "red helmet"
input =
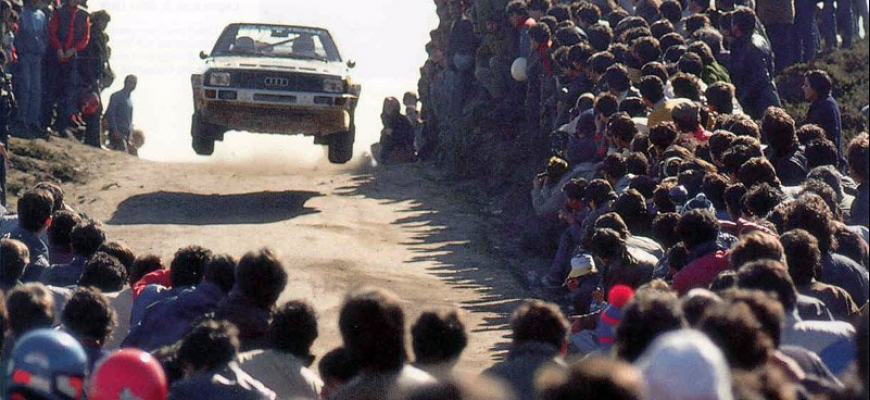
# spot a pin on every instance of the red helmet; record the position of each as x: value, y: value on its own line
x: 128, y: 375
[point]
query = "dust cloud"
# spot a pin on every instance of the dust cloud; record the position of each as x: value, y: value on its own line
x: 160, y: 41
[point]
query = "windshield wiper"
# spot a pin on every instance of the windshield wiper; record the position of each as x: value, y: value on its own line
x: 304, y: 57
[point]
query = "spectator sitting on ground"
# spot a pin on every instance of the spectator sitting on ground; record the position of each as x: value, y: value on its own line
x: 372, y: 325
x: 622, y: 265
x: 592, y: 378
x: 284, y: 367
x: 14, y: 257
x: 260, y: 280
x: 858, y: 157
x: 337, y: 369
x: 397, y: 138
x: 90, y: 319
x: 208, y: 354
x: 699, y: 231
x: 165, y: 322
x: 540, y: 339
x: 185, y: 273
x: 59, y: 237
x: 34, y: 218
x: 439, y: 338
x: 86, y: 240
x: 30, y: 307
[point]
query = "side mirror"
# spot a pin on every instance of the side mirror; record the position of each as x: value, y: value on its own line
x: 203, y: 55
x: 351, y: 64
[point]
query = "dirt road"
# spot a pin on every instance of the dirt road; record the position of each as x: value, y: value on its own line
x: 395, y: 228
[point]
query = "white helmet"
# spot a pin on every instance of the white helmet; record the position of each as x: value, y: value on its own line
x: 520, y: 69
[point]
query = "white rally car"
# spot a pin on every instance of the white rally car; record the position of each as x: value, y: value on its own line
x: 275, y: 79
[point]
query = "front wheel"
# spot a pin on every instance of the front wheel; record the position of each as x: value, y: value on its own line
x: 341, y: 147
x: 203, y: 140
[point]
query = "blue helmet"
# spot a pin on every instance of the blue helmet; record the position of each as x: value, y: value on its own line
x: 48, y: 365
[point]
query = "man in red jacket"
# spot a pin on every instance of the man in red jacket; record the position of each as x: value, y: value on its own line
x: 69, y: 33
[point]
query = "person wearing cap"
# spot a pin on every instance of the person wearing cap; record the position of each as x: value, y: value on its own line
x: 582, y: 282
x: 687, y: 116
x: 703, y: 374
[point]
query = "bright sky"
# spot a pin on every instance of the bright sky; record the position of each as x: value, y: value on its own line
x: 160, y: 41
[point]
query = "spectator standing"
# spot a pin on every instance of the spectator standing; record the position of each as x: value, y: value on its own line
x: 119, y: 115
x: 778, y: 17
x: 31, y: 44
x: 752, y: 65
x: 461, y: 52
x: 824, y: 110
x: 806, y: 35
x: 96, y: 74
x: 69, y: 33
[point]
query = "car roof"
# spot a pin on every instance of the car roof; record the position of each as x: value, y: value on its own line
x: 280, y: 26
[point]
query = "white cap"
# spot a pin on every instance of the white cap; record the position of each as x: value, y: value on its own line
x: 685, y: 365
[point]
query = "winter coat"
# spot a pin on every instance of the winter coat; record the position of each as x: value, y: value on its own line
x: 839, y: 301
x: 227, y: 383
x: 523, y: 363
x: 842, y: 272
x: 752, y: 66
x: 69, y: 28
x: 826, y: 114
x: 166, y: 322
x: 791, y: 165
x: 287, y: 375
x: 708, y: 261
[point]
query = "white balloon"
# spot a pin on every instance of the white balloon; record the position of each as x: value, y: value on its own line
x: 520, y: 69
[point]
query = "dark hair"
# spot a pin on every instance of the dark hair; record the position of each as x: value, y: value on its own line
x: 698, y: 227
x: 294, y: 329
x: 821, y: 152
x: 858, y: 155
x: 647, y: 317
x: 35, y: 207
x: 687, y: 87
x: 647, y: 49
x: 607, y: 244
x: 14, y: 257
x: 517, y: 7
x: 761, y: 200
x: 103, y: 272
x: 664, y: 229
x: 209, y: 345
x: 187, y: 266
x: 744, y: 19
x: 721, y: 96
x: 767, y: 310
x: 661, y: 28
x: 439, y: 338
x: 56, y: 192
x: 88, y: 315
x: 338, y: 365
x: 61, y: 228
x: 758, y: 171
x: 613, y: 221
x: 622, y: 127
x: 852, y: 245
x: 631, y: 206
x: 691, y: 63
x: 725, y: 281
x: 756, y: 246
x: 30, y: 307
x: 600, y: 37
x: 696, y: 304
x: 123, y: 253
x: 812, y: 214
x: 671, y: 41
x: 714, y: 188
x: 633, y: 106
x: 599, y: 191
x: 734, y: 158
x: 144, y: 266
x: 804, y: 257
x: 778, y: 128
x: 745, y: 127
x: 539, y: 5
x: 601, y: 61
x: 614, y: 166
x: 86, y: 239
x: 664, y: 135
x: 575, y: 189
x: 594, y: 378
x: 606, y: 105
x: 656, y: 69
x: 540, y: 33
x: 821, y: 83
x: 652, y: 89
x: 221, y: 271
x: 734, y: 196
x: 617, y: 78
x: 588, y: 13
x: 645, y: 185
x: 648, y: 9
x: 826, y: 193
x: 735, y: 329
x: 809, y: 132
x: 672, y: 11
x: 771, y: 277
x: 637, y: 164
x: 261, y: 278
x: 537, y: 321
x: 696, y: 22
x: 372, y: 325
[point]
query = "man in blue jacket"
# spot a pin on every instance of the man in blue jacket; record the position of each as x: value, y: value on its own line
x: 824, y: 110
x: 752, y: 66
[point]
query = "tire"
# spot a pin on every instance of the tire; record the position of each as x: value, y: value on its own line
x: 341, y: 147
x: 203, y: 140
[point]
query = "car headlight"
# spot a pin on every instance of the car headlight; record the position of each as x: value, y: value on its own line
x: 333, y: 85
x: 222, y: 79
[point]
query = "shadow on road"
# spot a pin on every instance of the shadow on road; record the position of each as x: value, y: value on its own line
x: 164, y: 208
x: 452, y: 239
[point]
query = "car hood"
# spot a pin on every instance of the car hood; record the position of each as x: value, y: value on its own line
x: 278, y: 64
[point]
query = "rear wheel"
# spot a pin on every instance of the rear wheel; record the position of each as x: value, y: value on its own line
x: 203, y: 136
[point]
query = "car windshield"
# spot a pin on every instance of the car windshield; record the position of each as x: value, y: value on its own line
x: 276, y: 41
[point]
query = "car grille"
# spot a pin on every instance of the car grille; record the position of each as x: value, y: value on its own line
x: 278, y: 81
